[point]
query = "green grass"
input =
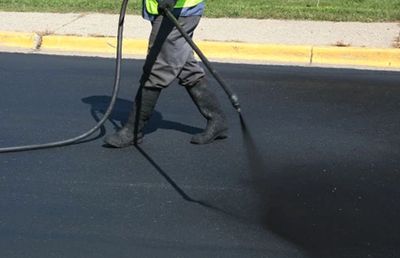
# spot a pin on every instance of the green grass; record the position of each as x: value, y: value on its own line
x: 334, y: 10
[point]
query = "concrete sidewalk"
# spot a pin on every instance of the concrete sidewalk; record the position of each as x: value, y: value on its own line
x: 297, y: 41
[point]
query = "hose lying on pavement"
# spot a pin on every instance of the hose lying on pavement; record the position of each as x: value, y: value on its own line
x: 109, y: 109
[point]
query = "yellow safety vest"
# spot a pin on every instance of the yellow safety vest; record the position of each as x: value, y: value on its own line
x: 152, y: 5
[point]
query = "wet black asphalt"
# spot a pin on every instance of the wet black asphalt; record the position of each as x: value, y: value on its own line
x: 319, y: 175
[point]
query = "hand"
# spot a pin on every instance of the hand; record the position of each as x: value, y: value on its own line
x: 166, y: 4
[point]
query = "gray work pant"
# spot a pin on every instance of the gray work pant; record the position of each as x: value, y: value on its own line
x: 170, y: 56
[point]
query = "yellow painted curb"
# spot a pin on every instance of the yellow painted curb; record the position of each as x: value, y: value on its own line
x: 93, y: 44
x: 357, y: 56
x: 349, y: 56
x: 222, y: 50
x: 20, y: 40
x: 256, y: 52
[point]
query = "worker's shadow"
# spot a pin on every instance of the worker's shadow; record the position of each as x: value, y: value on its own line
x: 119, y: 116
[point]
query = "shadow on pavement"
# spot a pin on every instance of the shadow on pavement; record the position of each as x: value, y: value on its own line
x: 118, y: 118
x: 181, y: 192
x: 121, y: 111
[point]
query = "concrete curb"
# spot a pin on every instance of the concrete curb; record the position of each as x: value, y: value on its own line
x: 349, y: 56
x: 21, y: 40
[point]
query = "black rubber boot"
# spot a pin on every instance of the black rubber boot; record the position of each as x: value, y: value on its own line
x: 209, y: 107
x: 131, y: 133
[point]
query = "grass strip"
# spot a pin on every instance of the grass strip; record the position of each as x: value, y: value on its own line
x: 331, y: 10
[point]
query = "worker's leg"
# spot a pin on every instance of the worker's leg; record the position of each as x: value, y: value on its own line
x: 168, y: 53
x: 132, y: 132
x: 192, y: 77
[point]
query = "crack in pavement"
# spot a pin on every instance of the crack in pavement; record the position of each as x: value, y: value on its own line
x: 80, y: 16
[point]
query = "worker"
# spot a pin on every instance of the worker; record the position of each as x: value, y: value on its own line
x: 170, y: 56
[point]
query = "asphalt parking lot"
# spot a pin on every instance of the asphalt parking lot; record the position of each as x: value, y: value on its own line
x: 318, y: 176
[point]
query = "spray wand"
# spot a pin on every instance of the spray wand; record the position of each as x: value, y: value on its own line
x: 232, y: 96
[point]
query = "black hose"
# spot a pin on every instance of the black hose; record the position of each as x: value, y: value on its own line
x: 232, y: 96
x: 109, y: 109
